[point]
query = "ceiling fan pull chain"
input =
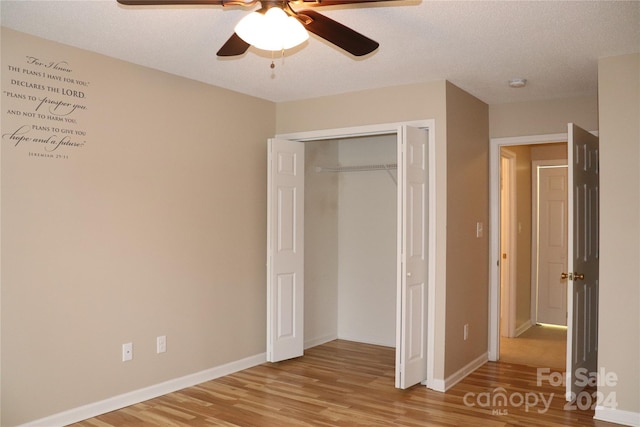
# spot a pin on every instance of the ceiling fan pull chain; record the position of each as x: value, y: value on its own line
x: 273, y: 53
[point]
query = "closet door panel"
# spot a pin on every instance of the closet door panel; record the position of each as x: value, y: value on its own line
x: 285, y: 250
x: 411, y: 363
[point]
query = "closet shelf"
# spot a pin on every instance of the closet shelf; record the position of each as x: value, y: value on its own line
x: 358, y: 168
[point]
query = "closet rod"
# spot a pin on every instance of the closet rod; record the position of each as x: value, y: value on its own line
x: 359, y: 168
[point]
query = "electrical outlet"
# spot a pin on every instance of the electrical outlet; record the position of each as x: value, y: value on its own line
x: 161, y: 344
x: 479, y: 229
x: 466, y: 331
x: 127, y: 351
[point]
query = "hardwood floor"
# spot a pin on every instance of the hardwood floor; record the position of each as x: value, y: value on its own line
x: 342, y: 383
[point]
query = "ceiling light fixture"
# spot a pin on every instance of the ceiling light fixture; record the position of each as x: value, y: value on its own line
x: 272, y: 30
x: 516, y: 83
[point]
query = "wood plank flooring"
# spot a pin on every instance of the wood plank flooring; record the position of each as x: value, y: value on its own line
x: 342, y: 383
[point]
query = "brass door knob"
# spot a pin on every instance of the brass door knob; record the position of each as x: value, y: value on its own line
x: 572, y: 276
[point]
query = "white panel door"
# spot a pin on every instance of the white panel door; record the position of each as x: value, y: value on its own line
x: 411, y: 348
x: 583, y: 262
x: 552, y: 244
x: 285, y: 250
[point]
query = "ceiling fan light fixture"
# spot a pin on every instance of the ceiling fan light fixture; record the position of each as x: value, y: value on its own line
x: 274, y: 30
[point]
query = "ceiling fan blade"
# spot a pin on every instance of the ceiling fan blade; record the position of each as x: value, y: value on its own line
x: 234, y: 46
x: 338, y: 34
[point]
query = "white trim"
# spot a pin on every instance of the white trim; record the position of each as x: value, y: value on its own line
x: 376, y: 129
x: 401, y: 184
x: 438, y: 385
x: 509, y: 314
x: 626, y: 418
x: 431, y: 283
x: 131, y: 398
x: 456, y: 377
x: 394, y: 128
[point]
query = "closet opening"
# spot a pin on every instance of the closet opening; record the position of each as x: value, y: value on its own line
x: 348, y: 248
x: 350, y: 264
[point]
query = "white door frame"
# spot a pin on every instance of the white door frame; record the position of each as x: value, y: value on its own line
x: 394, y: 128
x: 494, y: 226
x: 508, y: 303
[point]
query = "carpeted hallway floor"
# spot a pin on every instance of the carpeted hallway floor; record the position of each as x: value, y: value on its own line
x: 541, y: 346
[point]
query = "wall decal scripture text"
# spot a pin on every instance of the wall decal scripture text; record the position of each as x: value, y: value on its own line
x: 44, y: 104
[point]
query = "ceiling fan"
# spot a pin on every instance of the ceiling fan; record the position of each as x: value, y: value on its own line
x: 310, y: 20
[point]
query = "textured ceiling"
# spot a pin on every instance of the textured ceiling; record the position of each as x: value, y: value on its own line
x: 477, y: 45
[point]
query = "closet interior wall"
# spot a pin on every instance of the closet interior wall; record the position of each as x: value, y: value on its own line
x: 350, y: 242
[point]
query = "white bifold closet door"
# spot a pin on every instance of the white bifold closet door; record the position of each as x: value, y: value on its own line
x: 411, y: 324
x: 285, y: 250
x: 285, y: 253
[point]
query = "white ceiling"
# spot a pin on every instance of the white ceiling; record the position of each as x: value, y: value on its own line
x: 477, y: 45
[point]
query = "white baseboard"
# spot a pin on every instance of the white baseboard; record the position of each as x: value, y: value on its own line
x: 443, y: 385
x: 127, y: 399
x: 619, y: 417
x: 319, y: 341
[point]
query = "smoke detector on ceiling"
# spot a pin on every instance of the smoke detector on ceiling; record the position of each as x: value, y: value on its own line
x: 517, y: 83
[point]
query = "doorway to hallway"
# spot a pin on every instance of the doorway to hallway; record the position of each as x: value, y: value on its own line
x: 531, y: 223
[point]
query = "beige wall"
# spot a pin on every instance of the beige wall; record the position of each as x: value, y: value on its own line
x: 155, y: 227
x: 542, y: 117
x: 467, y: 203
x: 385, y: 105
x: 552, y: 151
x: 619, y: 314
